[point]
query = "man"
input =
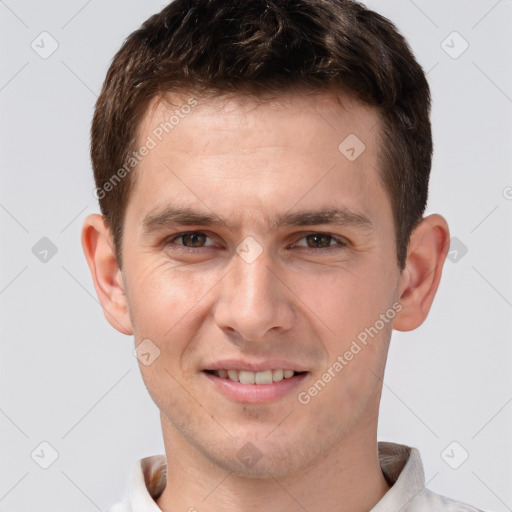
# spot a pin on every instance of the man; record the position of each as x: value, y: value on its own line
x: 262, y: 169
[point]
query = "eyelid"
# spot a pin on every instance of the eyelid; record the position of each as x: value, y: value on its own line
x: 171, y: 238
x: 340, y: 241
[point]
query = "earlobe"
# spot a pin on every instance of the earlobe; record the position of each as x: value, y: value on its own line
x: 107, y: 277
x: 427, y: 253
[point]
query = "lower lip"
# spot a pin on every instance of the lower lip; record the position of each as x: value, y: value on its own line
x: 256, y: 393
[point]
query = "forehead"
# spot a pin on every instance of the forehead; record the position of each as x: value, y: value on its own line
x: 276, y: 116
x: 273, y: 150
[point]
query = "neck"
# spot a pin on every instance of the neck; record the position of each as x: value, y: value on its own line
x: 348, y: 478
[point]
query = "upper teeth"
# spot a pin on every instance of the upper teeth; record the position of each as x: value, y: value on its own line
x: 246, y: 377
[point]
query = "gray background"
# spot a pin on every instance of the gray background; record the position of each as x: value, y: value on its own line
x: 69, y: 379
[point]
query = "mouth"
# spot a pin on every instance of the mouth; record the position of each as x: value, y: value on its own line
x: 264, y: 386
x: 260, y: 378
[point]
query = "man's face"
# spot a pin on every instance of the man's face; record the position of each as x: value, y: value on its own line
x: 268, y: 287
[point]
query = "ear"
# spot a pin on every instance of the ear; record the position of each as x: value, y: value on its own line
x: 106, y: 274
x: 427, y: 252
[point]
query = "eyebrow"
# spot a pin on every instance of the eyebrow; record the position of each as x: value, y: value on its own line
x: 184, y: 215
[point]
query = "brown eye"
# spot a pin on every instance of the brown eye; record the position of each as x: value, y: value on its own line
x: 321, y: 241
x: 193, y: 240
x: 318, y: 240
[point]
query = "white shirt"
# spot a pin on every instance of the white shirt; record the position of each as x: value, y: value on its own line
x: 400, y: 464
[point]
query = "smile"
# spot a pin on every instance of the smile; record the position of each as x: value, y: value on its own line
x: 258, y: 378
x: 255, y: 387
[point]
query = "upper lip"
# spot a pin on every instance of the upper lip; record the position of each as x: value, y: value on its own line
x: 255, y: 366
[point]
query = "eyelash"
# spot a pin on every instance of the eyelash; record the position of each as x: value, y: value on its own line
x: 340, y: 243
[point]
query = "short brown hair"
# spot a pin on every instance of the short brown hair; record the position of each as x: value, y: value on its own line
x: 210, y: 47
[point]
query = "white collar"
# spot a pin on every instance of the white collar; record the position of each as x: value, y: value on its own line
x: 401, y: 466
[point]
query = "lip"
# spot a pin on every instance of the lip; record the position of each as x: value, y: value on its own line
x: 255, y: 366
x: 255, y: 393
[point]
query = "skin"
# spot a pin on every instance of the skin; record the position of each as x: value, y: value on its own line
x: 303, y: 299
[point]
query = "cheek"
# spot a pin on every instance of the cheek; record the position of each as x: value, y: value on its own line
x: 347, y: 300
x: 353, y: 377
x: 356, y: 312
x: 163, y: 299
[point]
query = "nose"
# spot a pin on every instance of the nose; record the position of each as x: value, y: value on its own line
x: 254, y: 299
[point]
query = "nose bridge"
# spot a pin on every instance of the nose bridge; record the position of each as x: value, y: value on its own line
x: 252, y: 284
x: 252, y: 301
